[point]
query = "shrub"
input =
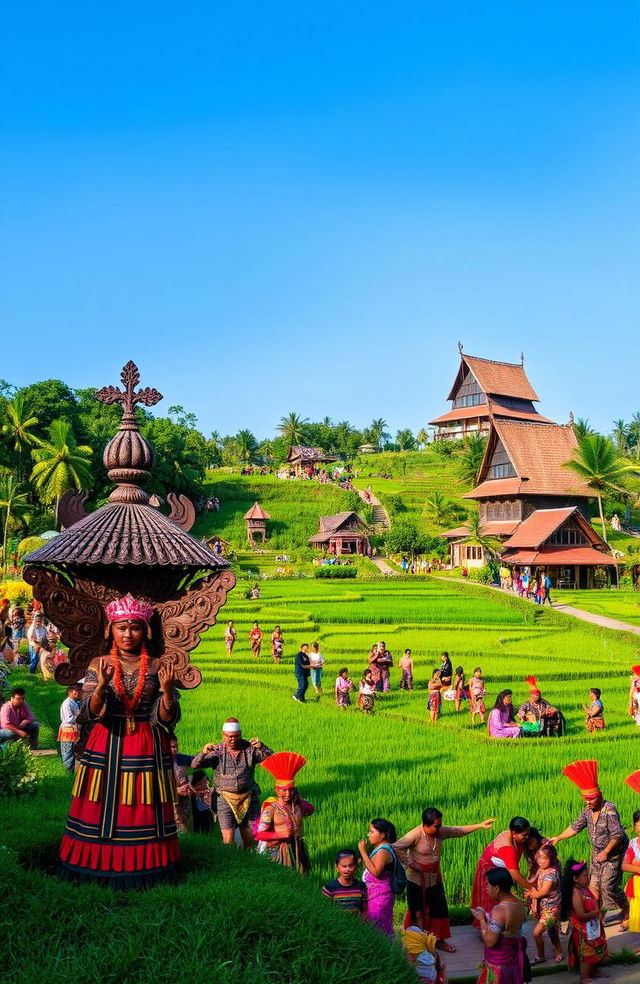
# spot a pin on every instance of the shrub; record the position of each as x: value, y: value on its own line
x: 16, y: 591
x: 395, y: 504
x: 445, y: 448
x: 18, y: 771
x: 484, y: 575
x: 336, y: 572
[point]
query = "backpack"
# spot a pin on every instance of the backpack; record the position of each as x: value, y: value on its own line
x: 398, y: 874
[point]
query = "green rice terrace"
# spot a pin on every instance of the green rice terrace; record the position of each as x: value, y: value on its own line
x: 392, y: 763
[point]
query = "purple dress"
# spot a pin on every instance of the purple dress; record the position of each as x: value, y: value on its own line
x: 500, y: 726
x: 380, y: 897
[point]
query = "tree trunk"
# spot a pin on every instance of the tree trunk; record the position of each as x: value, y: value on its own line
x: 57, y: 506
x: 5, y: 537
x: 604, y: 530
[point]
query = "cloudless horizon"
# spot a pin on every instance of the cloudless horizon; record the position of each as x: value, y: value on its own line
x: 306, y: 207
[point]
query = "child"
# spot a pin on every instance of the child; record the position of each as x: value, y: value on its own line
x: 367, y: 693
x: 277, y: 645
x: 435, y: 696
x: 422, y: 953
x: 587, y: 941
x: 631, y: 862
x: 476, y: 696
x: 255, y: 638
x: 343, y: 688
x: 530, y: 725
x: 595, y: 711
x: 230, y: 637
x: 459, y: 687
x: 546, y: 902
x: 635, y: 701
x: 345, y: 890
x: 406, y: 665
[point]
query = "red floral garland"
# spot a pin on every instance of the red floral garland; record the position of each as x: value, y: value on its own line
x: 130, y: 703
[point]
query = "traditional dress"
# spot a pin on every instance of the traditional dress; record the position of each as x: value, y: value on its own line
x: 121, y: 827
x: 502, y: 852
x: 343, y: 691
x: 632, y: 856
x: 279, y: 830
x: 595, y: 718
x: 506, y: 961
x: 380, y: 894
x: 477, y: 693
x: 587, y: 941
x: 255, y: 638
x: 426, y: 899
x: 502, y: 725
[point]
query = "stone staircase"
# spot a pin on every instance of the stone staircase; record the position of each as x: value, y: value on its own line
x: 380, y: 519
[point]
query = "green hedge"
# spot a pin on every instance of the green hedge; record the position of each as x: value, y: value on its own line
x: 339, y: 573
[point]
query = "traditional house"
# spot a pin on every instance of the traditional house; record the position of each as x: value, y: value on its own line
x: 305, y: 460
x: 344, y: 533
x: 256, y: 519
x: 481, y: 390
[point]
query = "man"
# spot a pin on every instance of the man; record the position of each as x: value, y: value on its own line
x: 608, y: 840
x: 419, y: 852
x: 68, y: 732
x: 280, y: 833
x: 446, y: 670
x: 384, y: 662
x: 302, y: 671
x: 237, y: 794
x: 546, y: 584
x: 17, y: 721
x: 549, y: 718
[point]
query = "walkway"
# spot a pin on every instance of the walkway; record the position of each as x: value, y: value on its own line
x: 464, y: 962
x: 380, y: 517
x: 383, y: 567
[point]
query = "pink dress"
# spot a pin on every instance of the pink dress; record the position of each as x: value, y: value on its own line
x: 380, y: 897
x: 500, y: 726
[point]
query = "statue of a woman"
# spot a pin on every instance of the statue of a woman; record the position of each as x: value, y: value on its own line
x: 121, y: 825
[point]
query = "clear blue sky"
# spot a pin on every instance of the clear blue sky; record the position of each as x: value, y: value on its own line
x: 303, y: 206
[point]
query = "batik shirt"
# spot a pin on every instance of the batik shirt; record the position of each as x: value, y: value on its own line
x: 606, y: 828
x: 537, y: 709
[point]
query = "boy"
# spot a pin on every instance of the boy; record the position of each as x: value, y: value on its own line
x: 406, y: 665
x: 68, y: 733
x: 347, y: 891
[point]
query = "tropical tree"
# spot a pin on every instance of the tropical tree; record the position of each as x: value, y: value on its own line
x: 13, y: 504
x: 582, y: 428
x: 405, y: 440
x: 477, y: 537
x: 422, y: 437
x: 61, y: 464
x: 471, y: 455
x: 246, y: 446
x: 378, y: 431
x: 439, y: 509
x: 596, y: 462
x: 292, y: 428
x: 18, y: 429
x: 634, y: 435
x: 620, y: 435
x: 266, y: 449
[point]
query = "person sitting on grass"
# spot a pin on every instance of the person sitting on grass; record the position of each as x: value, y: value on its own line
x: 343, y: 688
x: 530, y: 726
x: 546, y: 902
x: 587, y: 941
x: 345, y: 890
x: 502, y: 723
x: 435, y: 696
x: 17, y: 720
x: 595, y: 711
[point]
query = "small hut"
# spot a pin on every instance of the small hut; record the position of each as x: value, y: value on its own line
x: 307, y: 461
x: 344, y: 533
x: 256, y: 523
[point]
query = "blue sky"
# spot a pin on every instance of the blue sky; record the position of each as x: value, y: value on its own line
x: 304, y: 206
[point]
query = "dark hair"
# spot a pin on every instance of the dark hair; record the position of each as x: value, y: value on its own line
x: 444, y: 654
x: 407, y: 651
x: 343, y: 670
x: 386, y: 828
x: 519, y: 825
x: 459, y: 671
x: 436, y: 671
x: 74, y: 686
x: 315, y: 645
x: 476, y: 668
x: 500, y: 878
x: 596, y: 691
x: 18, y: 692
x: 198, y: 775
x: 429, y: 815
x: 571, y: 869
x: 534, y: 832
x: 636, y: 816
x: 550, y: 851
x: 501, y: 705
x: 347, y: 853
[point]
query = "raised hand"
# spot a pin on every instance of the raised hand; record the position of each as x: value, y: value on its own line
x: 105, y: 674
x: 167, y: 678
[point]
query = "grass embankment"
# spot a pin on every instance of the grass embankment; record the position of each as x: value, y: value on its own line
x: 393, y: 763
x: 622, y: 605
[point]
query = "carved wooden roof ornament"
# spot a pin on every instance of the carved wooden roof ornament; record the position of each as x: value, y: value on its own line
x: 128, y: 545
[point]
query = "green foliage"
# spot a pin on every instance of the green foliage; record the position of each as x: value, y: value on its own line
x: 50, y: 400
x: 60, y: 464
x: 335, y: 573
x: 596, y: 462
x: 19, y: 774
x: 470, y: 458
x: 445, y: 448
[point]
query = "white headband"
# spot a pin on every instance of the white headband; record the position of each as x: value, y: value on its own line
x: 231, y: 728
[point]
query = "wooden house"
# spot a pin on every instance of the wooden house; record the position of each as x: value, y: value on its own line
x: 303, y: 460
x: 344, y: 533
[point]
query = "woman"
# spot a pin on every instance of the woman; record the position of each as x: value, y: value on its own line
x: 594, y: 719
x: 505, y: 852
x: 373, y: 666
x: 587, y: 941
x: 505, y: 960
x: 277, y: 644
x: 230, y: 636
x: 121, y: 828
x: 377, y: 876
x: 501, y: 720
x: 255, y: 639
x: 317, y: 662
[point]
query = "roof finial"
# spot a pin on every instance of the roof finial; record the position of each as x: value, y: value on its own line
x: 460, y: 347
x: 571, y: 418
x: 522, y: 359
x: 128, y: 396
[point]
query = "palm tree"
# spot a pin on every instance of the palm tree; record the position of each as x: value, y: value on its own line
x: 13, y: 503
x: 582, y: 428
x: 61, y: 464
x: 477, y: 537
x: 634, y: 434
x: 439, y: 509
x: 596, y: 462
x: 246, y: 446
x: 473, y: 448
x: 378, y: 430
x: 405, y: 440
x: 422, y: 437
x: 620, y: 435
x: 292, y: 428
x: 19, y: 429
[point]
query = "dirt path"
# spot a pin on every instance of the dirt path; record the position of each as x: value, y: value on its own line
x: 383, y: 567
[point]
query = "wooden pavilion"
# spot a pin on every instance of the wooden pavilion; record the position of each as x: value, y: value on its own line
x: 306, y: 460
x: 344, y: 533
x: 256, y: 519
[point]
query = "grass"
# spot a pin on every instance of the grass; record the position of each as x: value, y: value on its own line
x: 622, y: 605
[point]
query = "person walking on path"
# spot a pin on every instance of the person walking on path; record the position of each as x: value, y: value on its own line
x: 546, y: 587
x: 420, y: 852
x: 608, y: 839
x: 302, y: 670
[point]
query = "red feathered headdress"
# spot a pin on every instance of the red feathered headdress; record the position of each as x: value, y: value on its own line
x: 635, y: 670
x: 634, y: 781
x: 533, y: 685
x: 584, y: 775
x: 284, y: 767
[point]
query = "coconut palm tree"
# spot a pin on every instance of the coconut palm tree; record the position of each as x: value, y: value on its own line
x: 634, y: 435
x: 292, y: 428
x: 18, y: 430
x: 61, y: 464
x: 13, y: 504
x: 422, y: 437
x: 246, y: 445
x: 596, y: 462
x: 405, y: 440
x: 582, y: 428
x: 471, y: 455
x: 378, y: 431
x: 477, y: 537
x: 439, y: 509
x: 620, y: 435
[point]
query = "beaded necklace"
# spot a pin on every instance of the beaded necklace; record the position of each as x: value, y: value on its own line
x: 130, y: 703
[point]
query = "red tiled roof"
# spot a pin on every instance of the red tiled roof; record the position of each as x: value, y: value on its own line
x: 496, y: 486
x: 498, y: 378
x: 464, y: 413
x: 309, y: 455
x: 538, y: 527
x: 494, y: 527
x: 257, y: 512
x: 554, y: 555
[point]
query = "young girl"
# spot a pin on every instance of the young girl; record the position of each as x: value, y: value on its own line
x: 366, y: 697
x: 277, y: 645
x: 316, y: 660
x: 343, y: 688
x: 635, y: 700
x: 595, y: 711
x: 587, y: 941
x: 546, y: 902
x: 631, y: 862
x: 406, y: 665
x: 476, y: 696
x: 230, y: 637
x: 435, y: 696
x: 255, y: 638
x: 459, y: 687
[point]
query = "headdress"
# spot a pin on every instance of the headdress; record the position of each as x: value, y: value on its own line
x: 635, y: 670
x: 129, y: 609
x: 634, y: 781
x: 231, y: 727
x: 584, y: 775
x: 416, y: 941
x: 284, y: 766
x: 533, y: 686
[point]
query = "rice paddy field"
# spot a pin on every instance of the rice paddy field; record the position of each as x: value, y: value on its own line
x: 623, y: 605
x: 394, y: 763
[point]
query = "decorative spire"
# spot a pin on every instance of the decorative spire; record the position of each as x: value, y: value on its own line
x: 128, y: 456
x: 571, y: 418
x: 522, y: 359
x: 460, y: 347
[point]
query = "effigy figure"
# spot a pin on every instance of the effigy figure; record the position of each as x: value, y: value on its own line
x: 136, y: 578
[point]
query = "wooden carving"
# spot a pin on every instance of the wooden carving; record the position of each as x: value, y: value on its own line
x: 71, y: 507
x: 183, y: 511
